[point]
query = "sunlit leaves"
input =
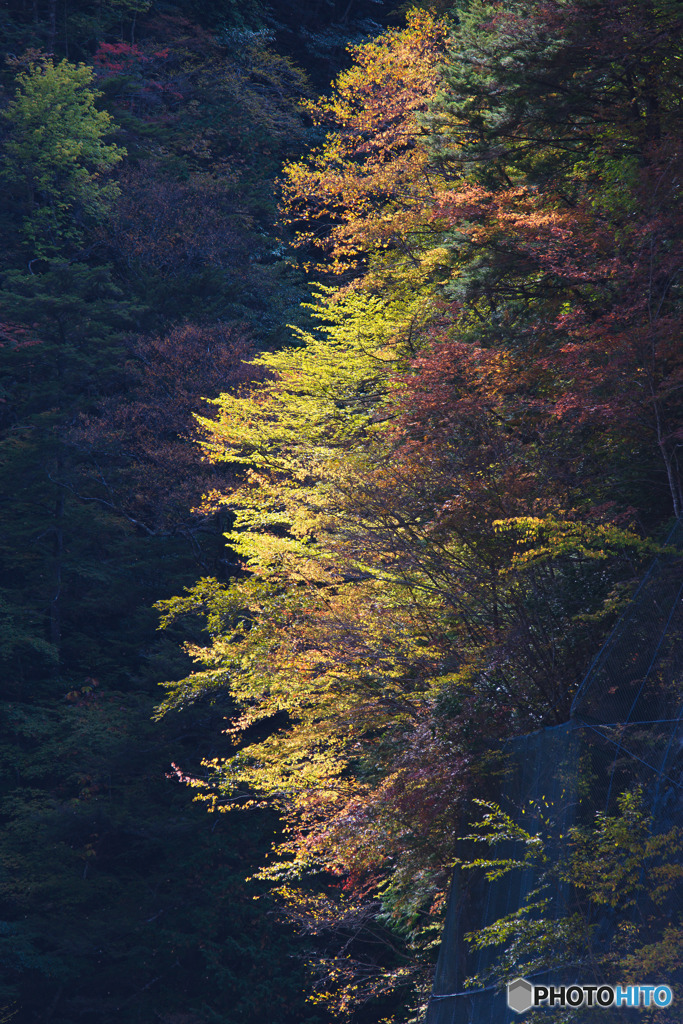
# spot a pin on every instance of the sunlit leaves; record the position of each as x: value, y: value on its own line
x: 616, y: 868
x: 365, y: 189
x: 56, y: 154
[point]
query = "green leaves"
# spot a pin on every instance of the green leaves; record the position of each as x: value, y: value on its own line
x: 615, y: 869
x: 542, y: 540
x: 56, y: 155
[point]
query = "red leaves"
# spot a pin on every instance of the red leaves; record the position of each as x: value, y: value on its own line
x: 113, y: 58
x: 145, y: 78
x: 17, y: 336
x: 146, y: 439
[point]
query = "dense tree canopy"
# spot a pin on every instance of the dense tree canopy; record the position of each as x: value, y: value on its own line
x: 431, y: 483
x: 399, y: 508
x: 141, y: 265
x: 55, y: 153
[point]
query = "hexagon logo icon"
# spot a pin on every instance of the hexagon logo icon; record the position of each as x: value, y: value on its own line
x: 520, y: 995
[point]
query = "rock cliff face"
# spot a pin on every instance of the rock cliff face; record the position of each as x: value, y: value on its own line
x: 625, y: 737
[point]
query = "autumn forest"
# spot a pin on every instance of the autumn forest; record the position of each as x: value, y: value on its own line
x: 341, y: 413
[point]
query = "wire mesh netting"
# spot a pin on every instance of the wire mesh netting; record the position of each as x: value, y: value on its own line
x: 625, y: 733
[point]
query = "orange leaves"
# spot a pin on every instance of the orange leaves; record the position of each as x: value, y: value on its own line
x: 372, y: 166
